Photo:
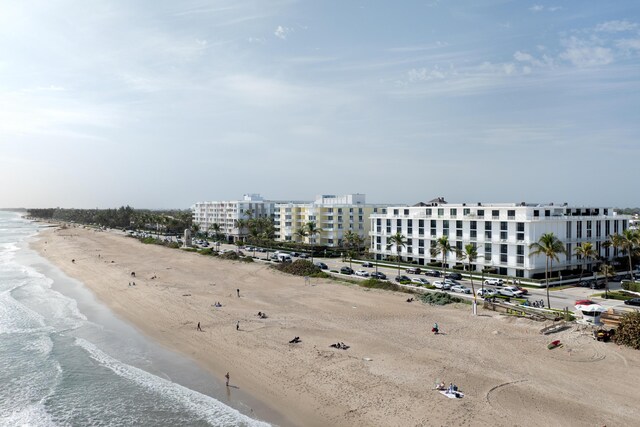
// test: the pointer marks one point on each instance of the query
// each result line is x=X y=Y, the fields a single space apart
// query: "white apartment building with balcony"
x=335 y=215
x=226 y=214
x=501 y=232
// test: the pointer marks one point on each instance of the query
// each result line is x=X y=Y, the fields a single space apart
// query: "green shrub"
x=439 y=298
x=206 y=251
x=189 y=249
x=628 y=332
x=173 y=245
x=232 y=255
x=246 y=259
x=380 y=284
x=300 y=267
x=150 y=241
x=633 y=286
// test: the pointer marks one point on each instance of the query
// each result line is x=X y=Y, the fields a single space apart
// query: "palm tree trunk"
x=473 y=289
x=630 y=266
x=548 y=272
x=398 y=255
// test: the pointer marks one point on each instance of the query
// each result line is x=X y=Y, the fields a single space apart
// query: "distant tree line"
x=168 y=221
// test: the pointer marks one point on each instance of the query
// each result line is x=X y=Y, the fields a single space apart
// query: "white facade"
x=226 y=214
x=502 y=233
x=334 y=215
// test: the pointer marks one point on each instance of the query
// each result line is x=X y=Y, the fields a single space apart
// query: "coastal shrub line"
x=628 y=331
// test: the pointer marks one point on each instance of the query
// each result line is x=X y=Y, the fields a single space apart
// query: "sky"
x=160 y=104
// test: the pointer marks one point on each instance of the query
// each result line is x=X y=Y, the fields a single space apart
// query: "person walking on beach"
x=199 y=328
x=435 y=329
x=238 y=325
x=238 y=291
x=227 y=377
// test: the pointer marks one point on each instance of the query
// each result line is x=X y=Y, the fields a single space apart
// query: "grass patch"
x=617 y=295
x=300 y=267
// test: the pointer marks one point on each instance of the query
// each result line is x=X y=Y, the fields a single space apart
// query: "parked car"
x=413 y=270
x=460 y=288
x=494 y=282
x=441 y=285
x=524 y=291
x=486 y=292
x=402 y=278
x=346 y=270
x=453 y=276
x=510 y=291
x=420 y=281
x=451 y=282
x=367 y=264
x=322 y=265
x=295 y=254
x=432 y=273
x=379 y=275
x=633 y=301
x=362 y=273
x=304 y=256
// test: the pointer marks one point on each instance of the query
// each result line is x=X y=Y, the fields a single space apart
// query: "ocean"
x=66 y=360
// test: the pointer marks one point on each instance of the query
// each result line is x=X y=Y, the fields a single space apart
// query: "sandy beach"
x=385 y=378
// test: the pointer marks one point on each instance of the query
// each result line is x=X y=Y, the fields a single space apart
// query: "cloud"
x=628 y=44
x=616 y=26
x=582 y=53
x=282 y=32
x=539 y=8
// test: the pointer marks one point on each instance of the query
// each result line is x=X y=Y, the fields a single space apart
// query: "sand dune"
x=385 y=378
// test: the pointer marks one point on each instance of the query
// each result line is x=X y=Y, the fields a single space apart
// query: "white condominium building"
x=226 y=214
x=501 y=232
x=334 y=215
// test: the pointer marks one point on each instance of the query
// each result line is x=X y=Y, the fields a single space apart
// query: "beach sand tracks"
x=523 y=400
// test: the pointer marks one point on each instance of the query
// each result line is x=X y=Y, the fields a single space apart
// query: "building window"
x=459 y=224
x=480 y=213
x=520 y=254
x=504 y=235
x=598 y=228
x=589 y=229
x=487 y=252
x=568 y=248
x=487 y=225
x=453 y=213
x=427 y=212
x=520 y=232
x=473 y=234
x=433 y=223
x=504 y=226
x=406 y=211
x=445 y=224
x=445 y=232
x=440 y=212
x=579 y=229
x=487 y=234
x=473 y=225
x=568 y=230
x=466 y=211
x=511 y=214
x=495 y=214
x=459 y=234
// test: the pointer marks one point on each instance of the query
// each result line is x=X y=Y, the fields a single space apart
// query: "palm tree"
x=470 y=254
x=353 y=242
x=241 y=224
x=586 y=251
x=399 y=241
x=549 y=246
x=301 y=233
x=216 y=230
x=607 y=271
x=630 y=243
x=312 y=231
x=443 y=247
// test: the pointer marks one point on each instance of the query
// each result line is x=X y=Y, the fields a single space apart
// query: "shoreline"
x=385 y=378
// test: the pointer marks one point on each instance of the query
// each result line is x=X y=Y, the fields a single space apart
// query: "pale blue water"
x=65 y=360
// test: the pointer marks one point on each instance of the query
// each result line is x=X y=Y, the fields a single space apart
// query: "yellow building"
x=333 y=215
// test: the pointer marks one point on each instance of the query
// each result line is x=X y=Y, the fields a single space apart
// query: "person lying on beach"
x=295 y=340
x=340 y=345
x=410 y=299
x=440 y=386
